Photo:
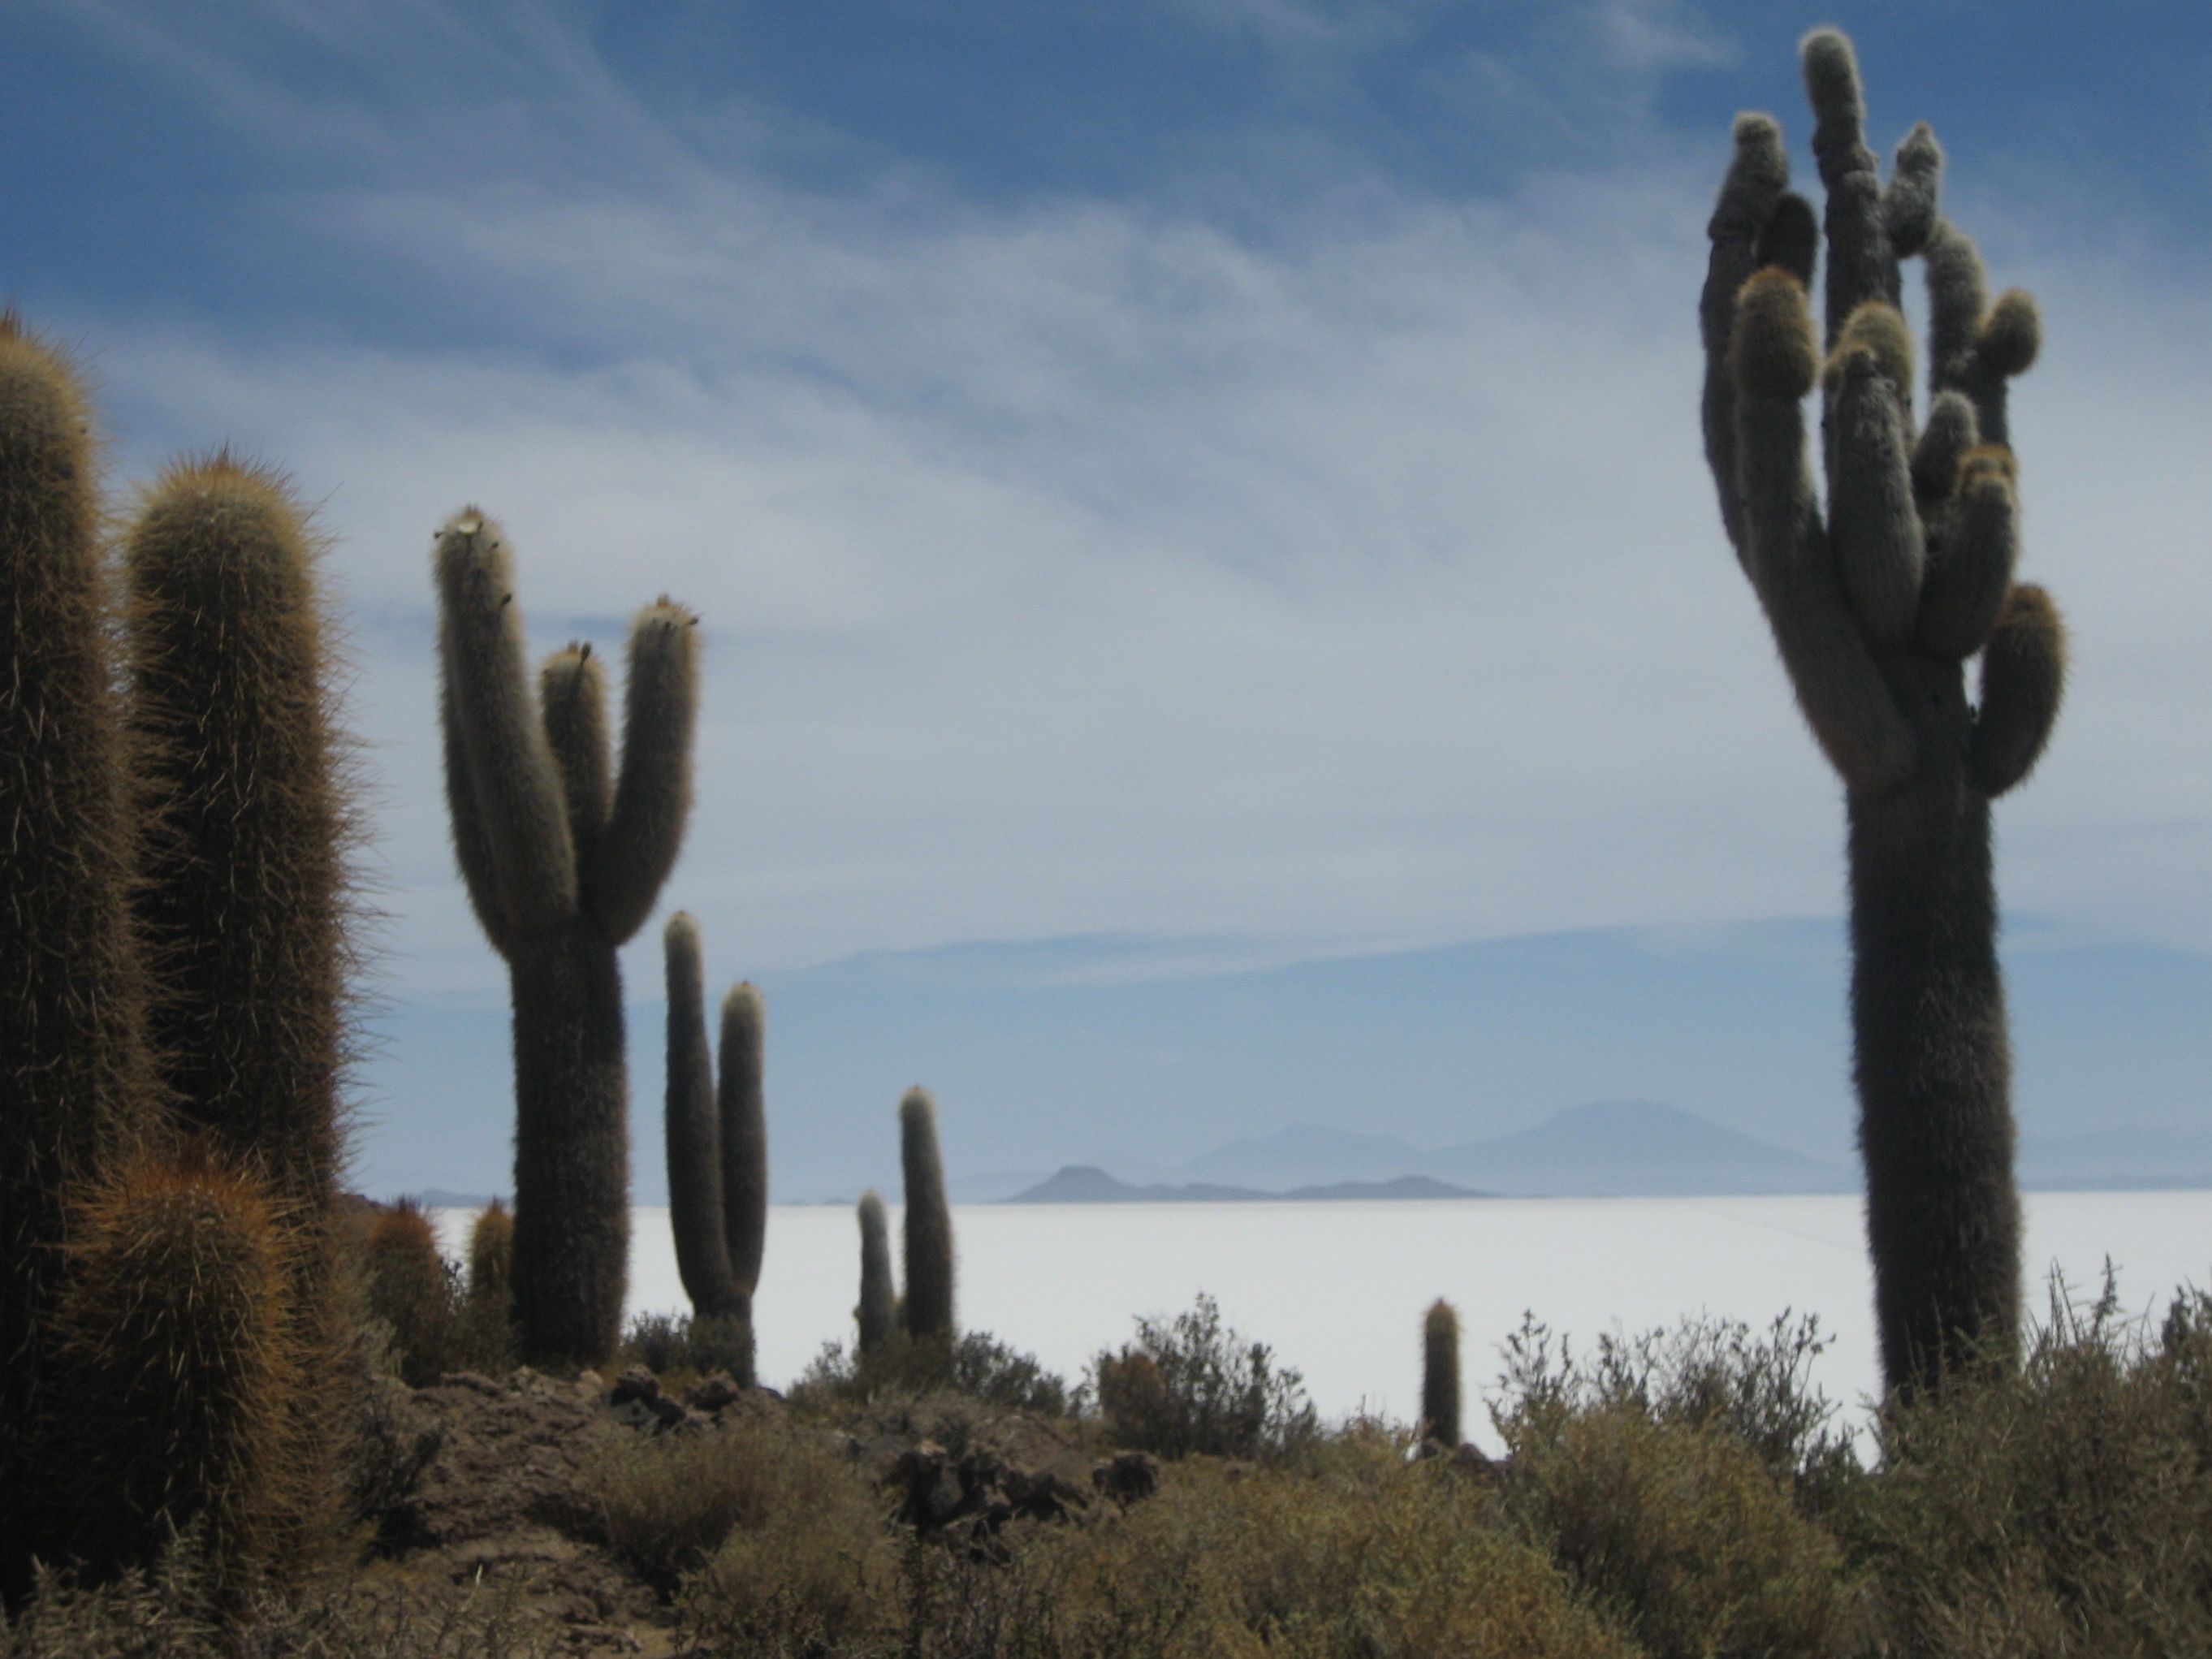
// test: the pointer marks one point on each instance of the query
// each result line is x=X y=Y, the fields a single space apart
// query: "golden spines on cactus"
x=185 y=1368
x=73 y=1061
x=410 y=1290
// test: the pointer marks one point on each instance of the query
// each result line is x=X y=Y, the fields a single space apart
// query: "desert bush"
x=683 y=1343
x=977 y=1365
x=1705 y=1372
x=2063 y=1510
x=667 y=1504
x=165 y=1612
x=1363 y=1555
x=1193 y=1385
x=1681 y=1534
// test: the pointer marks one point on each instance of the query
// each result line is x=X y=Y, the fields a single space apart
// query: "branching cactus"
x=563 y=858
x=75 y=1085
x=928 y=1305
x=1440 y=1375
x=878 y=1312
x=1877 y=602
x=695 y=1135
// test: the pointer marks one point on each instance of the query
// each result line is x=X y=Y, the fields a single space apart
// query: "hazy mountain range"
x=1180 y=1061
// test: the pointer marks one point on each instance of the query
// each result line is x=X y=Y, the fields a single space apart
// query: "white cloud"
x=1072 y=567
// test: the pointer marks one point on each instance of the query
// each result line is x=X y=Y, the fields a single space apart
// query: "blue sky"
x=1209 y=469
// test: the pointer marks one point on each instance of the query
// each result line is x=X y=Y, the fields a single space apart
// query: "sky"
x=1214 y=479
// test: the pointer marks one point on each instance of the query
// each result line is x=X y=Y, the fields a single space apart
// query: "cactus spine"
x=563 y=860
x=694 y=1152
x=72 y=1055
x=878 y=1312
x=928 y=1305
x=1440 y=1373
x=244 y=902
x=178 y=1329
x=1875 y=610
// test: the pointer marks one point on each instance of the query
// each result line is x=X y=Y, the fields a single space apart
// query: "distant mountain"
x=1616 y=1148
x=1083 y=1183
x=1305 y=1154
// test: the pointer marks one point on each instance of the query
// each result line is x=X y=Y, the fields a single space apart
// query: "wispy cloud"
x=1081 y=566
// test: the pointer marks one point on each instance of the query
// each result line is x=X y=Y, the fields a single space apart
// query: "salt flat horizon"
x=1337 y=1288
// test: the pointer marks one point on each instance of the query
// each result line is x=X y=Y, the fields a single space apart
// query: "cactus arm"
x=1862 y=263
x=2023 y=679
x=929 y=1262
x=1748 y=199
x=695 y=1161
x=472 y=848
x=573 y=695
x=878 y=1312
x=1880 y=546
x=653 y=797
x=1966 y=589
x=1838 y=685
x=743 y=1133
x=1974 y=346
x=1913 y=202
x=509 y=767
x=1950 y=433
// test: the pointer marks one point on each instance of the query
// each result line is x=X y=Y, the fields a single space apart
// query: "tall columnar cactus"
x=1876 y=605
x=563 y=860
x=878 y=1312
x=928 y=1305
x=694 y=1135
x=177 y=1333
x=244 y=902
x=1440 y=1373
x=74 y=1083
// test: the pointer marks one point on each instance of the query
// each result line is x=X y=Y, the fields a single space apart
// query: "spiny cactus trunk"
x=928 y=1307
x=1876 y=605
x=245 y=902
x=75 y=1091
x=1932 y=1064
x=1440 y=1404
x=743 y=1134
x=571 y=1147
x=562 y=859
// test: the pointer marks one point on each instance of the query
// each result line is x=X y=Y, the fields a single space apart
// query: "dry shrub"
x=2066 y=1510
x=1682 y=1535
x=1193 y=1385
x=782 y=1541
x=977 y=1366
x=1362 y=1553
x=680 y=1348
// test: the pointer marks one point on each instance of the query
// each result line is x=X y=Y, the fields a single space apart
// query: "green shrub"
x=1191 y=1384
x=2064 y=1510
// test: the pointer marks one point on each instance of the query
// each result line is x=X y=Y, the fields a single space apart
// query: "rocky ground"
x=484 y=1490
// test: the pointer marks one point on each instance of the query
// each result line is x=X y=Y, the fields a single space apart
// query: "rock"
x=712 y=1393
x=635 y=1383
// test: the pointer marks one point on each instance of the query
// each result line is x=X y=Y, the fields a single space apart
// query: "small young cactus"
x=1875 y=607
x=409 y=1289
x=492 y=1259
x=562 y=859
x=928 y=1306
x=1440 y=1375
x=177 y=1334
x=878 y=1312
